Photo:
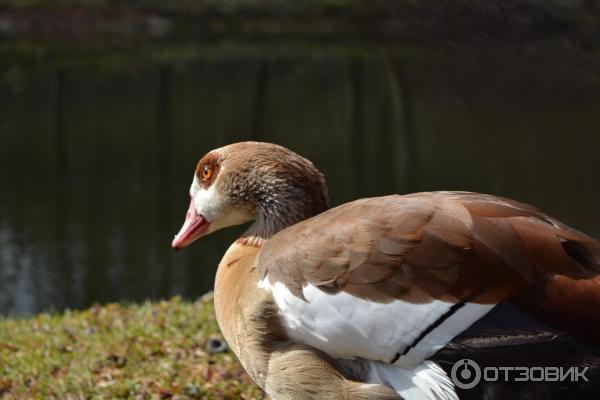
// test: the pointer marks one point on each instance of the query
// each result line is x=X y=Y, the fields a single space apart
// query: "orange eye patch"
x=207 y=173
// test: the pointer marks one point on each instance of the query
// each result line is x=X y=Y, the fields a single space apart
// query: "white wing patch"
x=345 y=326
x=426 y=381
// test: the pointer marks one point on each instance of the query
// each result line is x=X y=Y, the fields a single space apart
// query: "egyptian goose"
x=356 y=302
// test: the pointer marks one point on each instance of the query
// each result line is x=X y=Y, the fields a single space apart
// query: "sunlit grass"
x=147 y=351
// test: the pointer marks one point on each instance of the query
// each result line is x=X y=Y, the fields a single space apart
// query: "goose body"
x=370 y=298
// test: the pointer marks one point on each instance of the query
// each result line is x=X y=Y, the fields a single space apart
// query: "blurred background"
x=106 y=106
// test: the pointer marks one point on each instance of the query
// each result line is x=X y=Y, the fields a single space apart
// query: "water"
x=97 y=152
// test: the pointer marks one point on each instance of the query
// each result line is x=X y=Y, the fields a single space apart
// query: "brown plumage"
x=304 y=291
x=444 y=245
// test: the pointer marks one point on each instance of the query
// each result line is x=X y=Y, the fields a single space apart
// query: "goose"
x=369 y=299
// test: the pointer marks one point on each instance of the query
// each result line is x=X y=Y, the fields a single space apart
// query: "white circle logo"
x=465 y=373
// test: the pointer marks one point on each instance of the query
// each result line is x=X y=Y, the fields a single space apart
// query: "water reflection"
x=95 y=164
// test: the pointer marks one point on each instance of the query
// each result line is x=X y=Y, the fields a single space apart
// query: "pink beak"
x=193 y=228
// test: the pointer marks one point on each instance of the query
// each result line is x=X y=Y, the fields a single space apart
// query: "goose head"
x=251 y=181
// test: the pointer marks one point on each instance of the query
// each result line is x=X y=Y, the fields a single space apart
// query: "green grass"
x=156 y=350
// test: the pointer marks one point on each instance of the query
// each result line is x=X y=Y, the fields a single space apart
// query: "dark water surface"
x=96 y=156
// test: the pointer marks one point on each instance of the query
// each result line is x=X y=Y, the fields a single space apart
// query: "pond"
x=97 y=152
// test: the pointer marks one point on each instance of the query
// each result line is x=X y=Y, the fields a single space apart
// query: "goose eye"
x=207 y=173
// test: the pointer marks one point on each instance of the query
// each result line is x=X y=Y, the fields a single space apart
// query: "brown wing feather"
x=424 y=246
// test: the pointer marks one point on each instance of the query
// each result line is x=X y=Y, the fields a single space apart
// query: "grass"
x=156 y=350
